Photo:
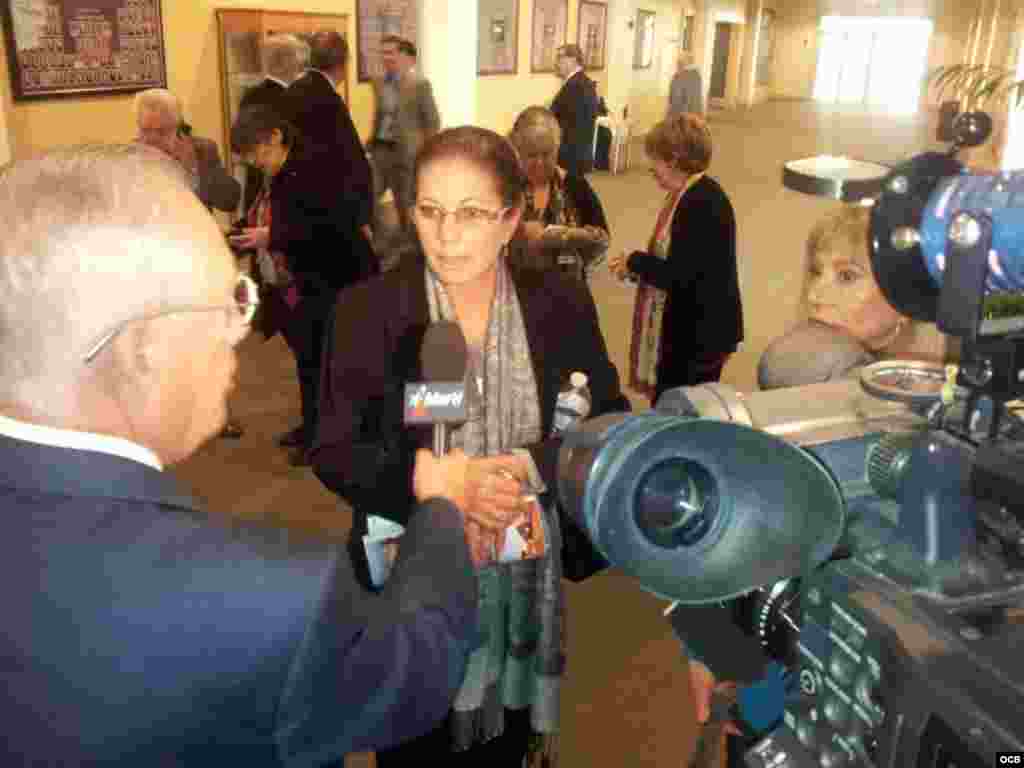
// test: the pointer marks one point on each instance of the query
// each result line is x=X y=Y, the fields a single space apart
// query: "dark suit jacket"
x=139 y=631
x=364 y=452
x=314 y=222
x=217 y=189
x=576 y=106
x=703 y=312
x=269 y=93
x=319 y=113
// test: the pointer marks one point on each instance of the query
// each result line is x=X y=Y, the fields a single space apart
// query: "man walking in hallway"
x=575 y=106
x=686 y=93
x=405 y=115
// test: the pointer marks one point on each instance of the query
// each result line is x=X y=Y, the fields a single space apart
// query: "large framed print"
x=84 y=47
x=498 y=37
x=242 y=34
x=592 y=33
x=376 y=19
x=643 y=44
x=550 y=26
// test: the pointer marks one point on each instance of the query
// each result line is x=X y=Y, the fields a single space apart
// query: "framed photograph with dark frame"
x=550 y=27
x=84 y=48
x=592 y=32
x=643 y=43
x=376 y=19
x=498 y=37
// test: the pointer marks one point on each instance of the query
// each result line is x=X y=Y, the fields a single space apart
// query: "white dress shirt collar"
x=277 y=80
x=79 y=441
x=573 y=73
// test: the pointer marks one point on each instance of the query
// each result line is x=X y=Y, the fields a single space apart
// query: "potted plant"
x=972 y=87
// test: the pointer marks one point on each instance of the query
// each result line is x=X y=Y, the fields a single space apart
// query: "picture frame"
x=548 y=33
x=61 y=48
x=643 y=42
x=240 y=36
x=376 y=19
x=498 y=37
x=592 y=33
x=766 y=48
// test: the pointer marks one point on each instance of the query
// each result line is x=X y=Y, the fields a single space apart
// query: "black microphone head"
x=443 y=355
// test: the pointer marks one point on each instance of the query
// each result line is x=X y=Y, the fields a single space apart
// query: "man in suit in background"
x=576 y=107
x=686 y=93
x=160 y=124
x=158 y=118
x=146 y=632
x=284 y=59
x=313 y=105
x=405 y=115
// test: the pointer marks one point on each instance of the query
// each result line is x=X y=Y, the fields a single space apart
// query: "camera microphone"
x=440 y=399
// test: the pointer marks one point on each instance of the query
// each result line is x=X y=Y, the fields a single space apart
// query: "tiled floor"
x=626 y=697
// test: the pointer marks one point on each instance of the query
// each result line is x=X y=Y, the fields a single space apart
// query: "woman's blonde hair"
x=682 y=141
x=845 y=229
x=536 y=129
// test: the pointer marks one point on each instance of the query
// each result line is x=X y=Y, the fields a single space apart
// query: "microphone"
x=440 y=399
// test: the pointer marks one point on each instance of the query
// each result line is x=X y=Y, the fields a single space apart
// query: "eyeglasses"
x=465 y=215
x=247 y=298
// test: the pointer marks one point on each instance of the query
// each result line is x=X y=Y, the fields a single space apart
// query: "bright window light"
x=872 y=61
x=1013 y=155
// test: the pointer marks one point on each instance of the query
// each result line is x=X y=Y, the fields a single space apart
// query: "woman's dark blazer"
x=703 y=312
x=364 y=452
x=315 y=224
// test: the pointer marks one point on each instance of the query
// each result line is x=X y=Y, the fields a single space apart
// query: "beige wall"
x=192 y=72
x=648 y=96
x=501 y=97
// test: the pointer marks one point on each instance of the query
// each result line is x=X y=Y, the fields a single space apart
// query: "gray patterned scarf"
x=521 y=659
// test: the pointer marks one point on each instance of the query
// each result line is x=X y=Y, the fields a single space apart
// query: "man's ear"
x=142 y=351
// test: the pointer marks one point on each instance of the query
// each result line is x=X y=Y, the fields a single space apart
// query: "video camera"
x=866 y=535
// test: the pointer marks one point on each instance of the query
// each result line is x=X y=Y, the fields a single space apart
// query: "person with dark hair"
x=284 y=59
x=468 y=188
x=308 y=221
x=150 y=632
x=564 y=225
x=405 y=115
x=576 y=107
x=688 y=316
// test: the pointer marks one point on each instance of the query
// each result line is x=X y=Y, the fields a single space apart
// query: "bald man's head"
x=94 y=236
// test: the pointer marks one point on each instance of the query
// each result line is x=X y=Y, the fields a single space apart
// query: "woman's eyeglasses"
x=465 y=215
x=240 y=314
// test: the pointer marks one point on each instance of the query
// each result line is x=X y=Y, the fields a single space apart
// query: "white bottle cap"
x=578 y=379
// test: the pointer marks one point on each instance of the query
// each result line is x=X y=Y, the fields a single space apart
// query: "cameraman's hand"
x=251 y=239
x=703 y=685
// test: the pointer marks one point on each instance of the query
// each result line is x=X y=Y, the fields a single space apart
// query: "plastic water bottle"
x=573 y=405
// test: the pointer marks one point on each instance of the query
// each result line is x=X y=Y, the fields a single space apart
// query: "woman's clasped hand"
x=488 y=491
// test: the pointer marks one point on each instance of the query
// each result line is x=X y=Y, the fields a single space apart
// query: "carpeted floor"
x=626 y=700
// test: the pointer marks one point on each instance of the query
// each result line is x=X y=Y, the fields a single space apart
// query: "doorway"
x=720 y=61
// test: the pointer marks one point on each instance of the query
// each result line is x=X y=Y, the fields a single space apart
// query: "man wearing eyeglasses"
x=137 y=630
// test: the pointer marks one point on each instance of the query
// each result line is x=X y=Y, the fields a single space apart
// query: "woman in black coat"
x=688 y=317
x=313 y=224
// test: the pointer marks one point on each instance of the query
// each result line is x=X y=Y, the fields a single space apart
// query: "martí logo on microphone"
x=432 y=403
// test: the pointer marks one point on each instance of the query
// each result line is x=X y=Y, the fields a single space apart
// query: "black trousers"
x=434 y=748
x=304 y=333
x=689 y=371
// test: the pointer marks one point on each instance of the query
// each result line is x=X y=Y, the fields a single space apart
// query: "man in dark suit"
x=137 y=629
x=314 y=106
x=576 y=107
x=284 y=58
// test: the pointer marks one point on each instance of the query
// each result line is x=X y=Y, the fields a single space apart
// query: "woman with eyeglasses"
x=304 y=226
x=688 y=317
x=526 y=331
x=564 y=226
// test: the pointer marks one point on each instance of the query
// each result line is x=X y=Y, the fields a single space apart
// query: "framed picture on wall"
x=550 y=26
x=375 y=19
x=84 y=48
x=242 y=34
x=498 y=37
x=686 y=33
x=643 y=43
x=592 y=33
x=766 y=47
